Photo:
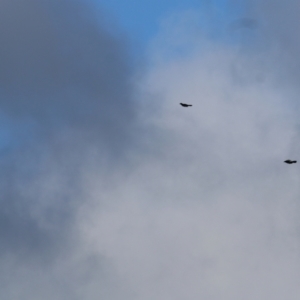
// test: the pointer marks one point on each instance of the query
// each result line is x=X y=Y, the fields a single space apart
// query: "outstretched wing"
x=185 y=105
x=288 y=161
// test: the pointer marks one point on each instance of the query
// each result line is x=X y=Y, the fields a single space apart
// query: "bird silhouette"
x=290 y=161
x=185 y=105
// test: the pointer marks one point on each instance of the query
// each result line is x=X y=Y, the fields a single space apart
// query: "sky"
x=140 y=19
x=110 y=189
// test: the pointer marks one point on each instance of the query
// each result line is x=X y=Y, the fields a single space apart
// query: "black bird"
x=290 y=161
x=185 y=105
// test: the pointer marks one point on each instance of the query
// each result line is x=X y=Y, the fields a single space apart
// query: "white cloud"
x=203 y=207
x=210 y=211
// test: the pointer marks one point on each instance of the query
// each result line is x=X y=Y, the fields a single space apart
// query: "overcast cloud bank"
x=104 y=200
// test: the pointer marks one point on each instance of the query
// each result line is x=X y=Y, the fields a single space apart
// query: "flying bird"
x=290 y=161
x=185 y=105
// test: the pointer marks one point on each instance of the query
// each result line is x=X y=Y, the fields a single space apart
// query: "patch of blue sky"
x=6 y=139
x=141 y=19
x=14 y=134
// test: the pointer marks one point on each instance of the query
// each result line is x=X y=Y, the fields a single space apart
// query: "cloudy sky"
x=109 y=189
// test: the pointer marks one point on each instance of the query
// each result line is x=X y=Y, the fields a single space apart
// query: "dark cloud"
x=67 y=101
x=61 y=68
x=209 y=210
x=279 y=23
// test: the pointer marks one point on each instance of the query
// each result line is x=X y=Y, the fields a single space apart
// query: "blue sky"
x=140 y=19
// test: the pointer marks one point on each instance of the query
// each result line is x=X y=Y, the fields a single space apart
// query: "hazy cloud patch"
x=106 y=197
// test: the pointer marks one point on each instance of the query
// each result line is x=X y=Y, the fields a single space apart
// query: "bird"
x=185 y=105
x=290 y=161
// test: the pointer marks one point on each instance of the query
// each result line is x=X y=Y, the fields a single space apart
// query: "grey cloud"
x=60 y=68
x=198 y=206
x=214 y=213
x=67 y=101
x=279 y=22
